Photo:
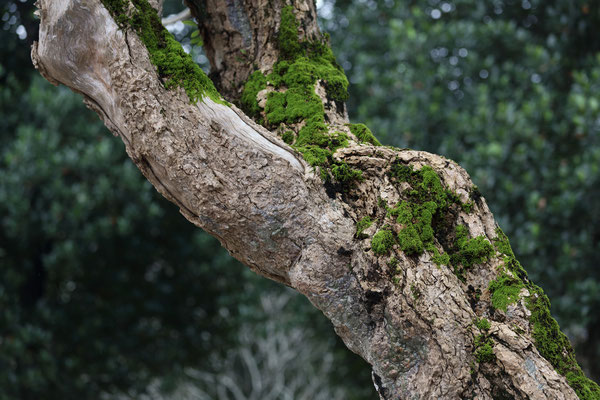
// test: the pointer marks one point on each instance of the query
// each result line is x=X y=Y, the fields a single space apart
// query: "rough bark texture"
x=240 y=35
x=430 y=327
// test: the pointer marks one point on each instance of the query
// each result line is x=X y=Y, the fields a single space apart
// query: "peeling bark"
x=414 y=321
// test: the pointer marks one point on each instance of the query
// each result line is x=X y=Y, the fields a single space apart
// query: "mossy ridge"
x=295 y=101
x=174 y=66
x=363 y=134
x=425 y=200
x=552 y=344
x=505 y=290
x=424 y=214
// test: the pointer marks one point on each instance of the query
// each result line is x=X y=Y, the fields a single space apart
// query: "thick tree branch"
x=396 y=247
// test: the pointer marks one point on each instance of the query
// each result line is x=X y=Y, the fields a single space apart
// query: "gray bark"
x=269 y=208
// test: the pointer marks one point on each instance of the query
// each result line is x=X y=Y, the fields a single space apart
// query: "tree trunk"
x=395 y=246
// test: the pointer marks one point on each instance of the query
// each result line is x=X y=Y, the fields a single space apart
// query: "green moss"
x=301 y=63
x=437 y=258
x=288 y=137
x=117 y=8
x=416 y=293
x=467 y=207
x=426 y=199
x=483 y=324
x=417 y=230
x=382 y=242
x=316 y=133
x=502 y=244
x=484 y=349
x=315 y=156
x=174 y=66
x=363 y=224
x=402 y=172
x=585 y=388
x=470 y=251
x=294 y=105
x=505 y=290
x=289 y=44
x=552 y=344
x=294 y=75
x=363 y=134
x=425 y=212
x=344 y=174
x=409 y=240
x=249 y=102
x=484 y=345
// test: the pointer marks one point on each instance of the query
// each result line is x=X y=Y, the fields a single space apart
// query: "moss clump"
x=363 y=134
x=382 y=242
x=505 y=290
x=469 y=252
x=303 y=62
x=483 y=324
x=317 y=146
x=426 y=199
x=175 y=67
x=437 y=258
x=502 y=244
x=484 y=349
x=294 y=75
x=363 y=224
x=425 y=212
x=294 y=105
x=484 y=345
x=552 y=344
x=288 y=137
x=289 y=46
x=344 y=174
x=467 y=207
x=585 y=388
x=254 y=84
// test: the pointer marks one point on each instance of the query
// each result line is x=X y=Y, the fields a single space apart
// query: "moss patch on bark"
x=175 y=67
x=552 y=344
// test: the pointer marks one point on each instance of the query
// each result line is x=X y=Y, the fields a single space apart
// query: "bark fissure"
x=407 y=292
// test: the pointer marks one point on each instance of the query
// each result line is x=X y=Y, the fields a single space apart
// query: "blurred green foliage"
x=511 y=91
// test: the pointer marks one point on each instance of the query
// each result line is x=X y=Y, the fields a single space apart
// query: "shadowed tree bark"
x=395 y=246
